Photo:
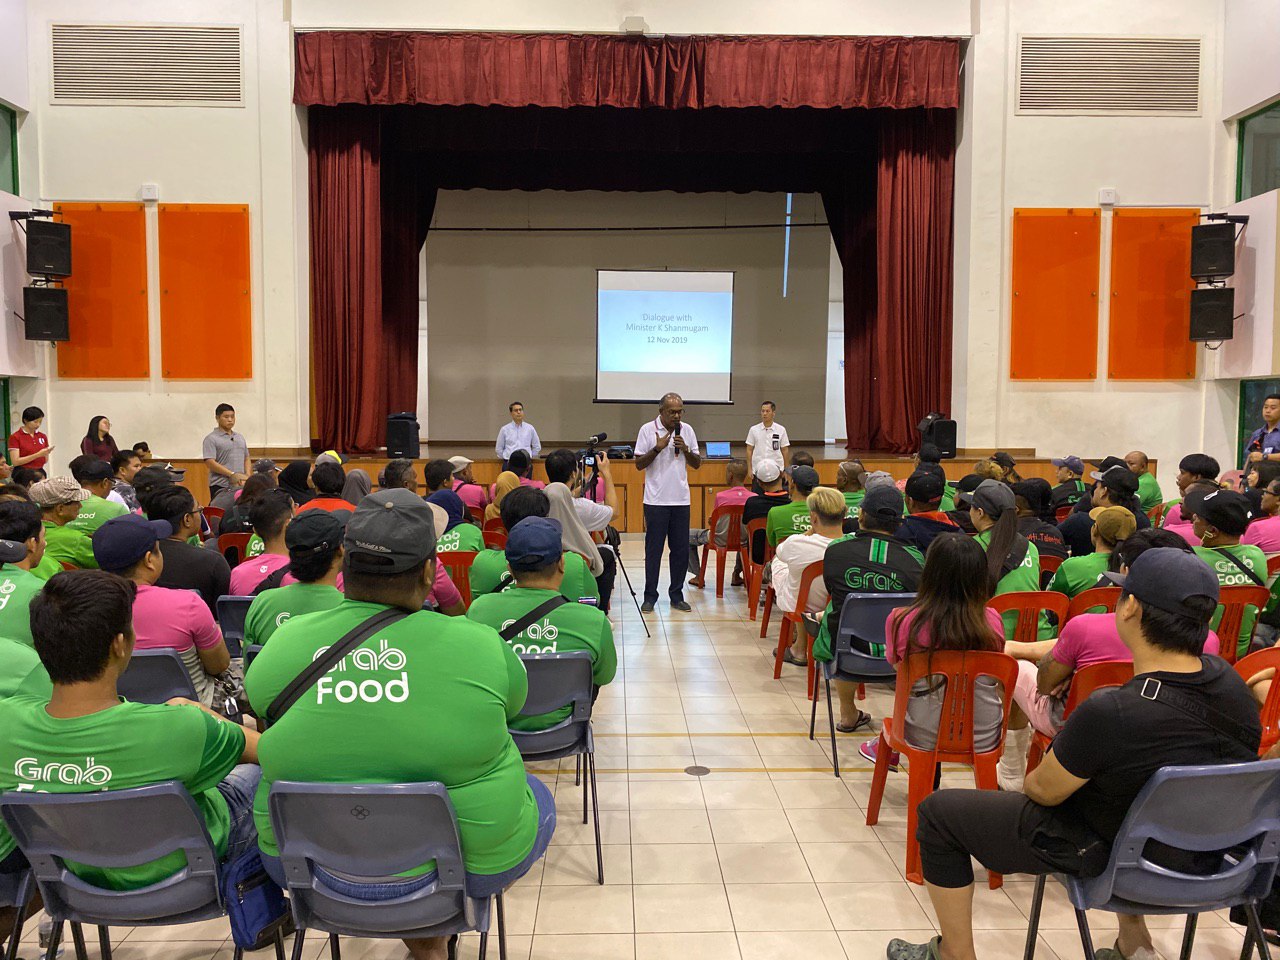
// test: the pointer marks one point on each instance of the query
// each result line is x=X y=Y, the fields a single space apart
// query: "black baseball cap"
x=1035 y=491
x=1119 y=478
x=925 y=486
x=805 y=477
x=1165 y=579
x=391 y=531
x=1004 y=459
x=1106 y=463
x=929 y=453
x=122 y=541
x=12 y=551
x=883 y=503
x=533 y=543
x=314 y=530
x=96 y=471
x=967 y=484
x=1225 y=509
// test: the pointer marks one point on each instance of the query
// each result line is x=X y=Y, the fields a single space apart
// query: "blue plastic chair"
x=1203 y=809
x=15 y=891
x=863 y=616
x=559 y=680
x=52 y=828
x=369 y=834
x=156 y=676
x=232 y=611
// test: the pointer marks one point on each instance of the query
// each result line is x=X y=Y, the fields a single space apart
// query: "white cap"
x=768 y=471
x=459 y=463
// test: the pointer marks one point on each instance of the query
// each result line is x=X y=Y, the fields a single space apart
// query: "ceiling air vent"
x=149 y=64
x=1099 y=76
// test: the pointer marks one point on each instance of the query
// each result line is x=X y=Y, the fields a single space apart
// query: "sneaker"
x=901 y=950
x=646 y=607
x=870 y=748
x=681 y=605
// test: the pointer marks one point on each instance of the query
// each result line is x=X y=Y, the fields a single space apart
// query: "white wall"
x=1251 y=66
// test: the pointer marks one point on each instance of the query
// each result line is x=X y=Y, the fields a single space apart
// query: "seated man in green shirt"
x=83 y=737
x=96 y=478
x=425 y=698
x=1149 y=493
x=59 y=500
x=1219 y=519
x=1111 y=527
x=536 y=559
x=489 y=573
x=21 y=549
x=314 y=542
x=791 y=518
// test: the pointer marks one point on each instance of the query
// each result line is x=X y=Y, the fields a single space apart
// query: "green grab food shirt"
x=128 y=745
x=426 y=698
x=1230 y=575
x=787 y=520
x=47 y=567
x=570 y=626
x=271 y=608
x=94 y=512
x=1078 y=574
x=17 y=587
x=69 y=545
x=1149 y=492
x=490 y=566
x=853 y=501
x=21 y=672
x=465 y=536
x=1025 y=576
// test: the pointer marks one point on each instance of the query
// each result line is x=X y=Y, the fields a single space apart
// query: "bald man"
x=1149 y=492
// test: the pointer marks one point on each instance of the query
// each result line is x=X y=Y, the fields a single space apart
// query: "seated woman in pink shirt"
x=1264 y=531
x=163 y=618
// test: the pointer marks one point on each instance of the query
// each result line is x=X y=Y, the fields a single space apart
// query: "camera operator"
x=563 y=467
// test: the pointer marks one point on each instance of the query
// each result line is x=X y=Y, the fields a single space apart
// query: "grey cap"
x=991 y=497
x=1166 y=578
x=265 y=465
x=878 y=478
x=12 y=551
x=391 y=531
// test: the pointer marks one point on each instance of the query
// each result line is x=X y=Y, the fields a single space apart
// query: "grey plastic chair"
x=232 y=611
x=156 y=676
x=559 y=680
x=15 y=891
x=1232 y=807
x=368 y=834
x=863 y=616
x=52 y=828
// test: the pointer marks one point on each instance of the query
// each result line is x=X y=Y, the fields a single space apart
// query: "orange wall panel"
x=1054 y=333
x=205 y=303
x=1151 y=295
x=107 y=293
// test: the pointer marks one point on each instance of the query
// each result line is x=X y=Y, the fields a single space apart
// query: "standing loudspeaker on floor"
x=402 y=436
x=941 y=433
x=1212 y=314
x=45 y=313
x=1213 y=251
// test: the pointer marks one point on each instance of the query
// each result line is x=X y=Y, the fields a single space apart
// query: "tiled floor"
x=767 y=857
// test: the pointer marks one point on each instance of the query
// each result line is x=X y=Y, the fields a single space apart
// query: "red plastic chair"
x=1273 y=566
x=494 y=539
x=494 y=524
x=1062 y=513
x=458 y=563
x=1106 y=597
x=962 y=670
x=1231 y=479
x=1096 y=676
x=233 y=546
x=1233 y=602
x=213 y=513
x=477 y=513
x=68 y=565
x=793 y=618
x=1029 y=603
x=1049 y=564
x=752 y=571
x=733 y=542
x=1248 y=668
x=1155 y=514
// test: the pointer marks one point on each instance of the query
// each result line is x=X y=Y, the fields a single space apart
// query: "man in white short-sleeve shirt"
x=665 y=450
x=767 y=440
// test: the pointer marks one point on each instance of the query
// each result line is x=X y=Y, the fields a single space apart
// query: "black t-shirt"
x=753 y=508
x=1068 y=494
x=868 y=562
x=1046 y=537
x=195 y=568
x=1117 y=739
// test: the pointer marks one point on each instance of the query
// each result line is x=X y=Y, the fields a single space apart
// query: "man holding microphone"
x=1264 y=444
x=665 y=450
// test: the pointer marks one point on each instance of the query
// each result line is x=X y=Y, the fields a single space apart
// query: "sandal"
x=864 y=720
x=790 y=657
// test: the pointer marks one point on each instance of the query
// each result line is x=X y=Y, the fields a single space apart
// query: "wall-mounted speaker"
x=45 y=312
x=1213 y=251
x=48 y=248
x=1212 y=313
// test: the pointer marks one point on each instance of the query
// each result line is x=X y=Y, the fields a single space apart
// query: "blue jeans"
x=479 y=885
x=238 y=788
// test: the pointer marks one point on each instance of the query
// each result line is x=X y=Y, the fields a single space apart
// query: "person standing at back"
x=225 y=452
x=767 y=440
x=28 y=447
x=97 y=441
x=519 y=434
x=1264 y=443
x=665 y=450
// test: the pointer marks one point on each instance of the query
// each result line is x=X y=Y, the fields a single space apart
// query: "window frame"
x=1241 y=126
x=12 y=116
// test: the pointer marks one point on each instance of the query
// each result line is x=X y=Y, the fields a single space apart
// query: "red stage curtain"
x=577 y=70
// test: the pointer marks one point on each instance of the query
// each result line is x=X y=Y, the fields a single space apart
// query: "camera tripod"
x=588 y=461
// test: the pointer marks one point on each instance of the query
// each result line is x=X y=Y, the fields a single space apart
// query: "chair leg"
x=484 y=944
x=920 y=777
x=595 y=810
x=810 y=670
x=25 y=889
x=984 y=775
x=299 y=940
x=279 y=944
x=831 y=725
x=1255 y=928
x=104 y=943
x=1246 y=949
x=55 y=938
x=1188 y=936
x=784 y=641
x=335 y=951
x=813 y=714
x=1086 y=938
x=722 y=557
x=1033 y=925
x=77 y=939
x=502 y=929
x=768 y=608
x=585 y=786
x=878 y=779
x=577 y=770
x=702 y=569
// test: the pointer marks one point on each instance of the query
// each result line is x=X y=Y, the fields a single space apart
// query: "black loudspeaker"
x=48 y=248
x=1213 y=251
x=1213 y=313
x=942 y=434
x=45 y=312
x=402 y=435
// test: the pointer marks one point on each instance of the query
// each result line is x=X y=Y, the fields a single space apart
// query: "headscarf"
x=452 y=505
x=573 y=534
x=507 y=481
x=293 y=481
x=357 y=487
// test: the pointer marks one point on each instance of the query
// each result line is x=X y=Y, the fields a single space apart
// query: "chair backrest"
x=1234 y=601
x=369 y=833
x=1049 y=563
x=1273 y=565
x=865 y=616
x=68 y=565
x=756 y=526
x=1062 y=513
x=477 y=513
x=231 y=614
x=458 y=563
x=156 y=676
x=1202 y=809
x=733 y=513
x=213 y=513
x=556 y=680
x=1086 y=600
x=1096 y=676
x=1155 y=514
x=811 y=573
x=1248 y=668
x=961 y=669
x=1028 y=604
x=251 y=650
x=494 y=539
x=117 y=828
x=1231 y=479
x=233 y=546
x=495 y=524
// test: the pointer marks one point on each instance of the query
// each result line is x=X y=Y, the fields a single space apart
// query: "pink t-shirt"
x=525 y=482
x=1264 y=533
x=246 y=576
x=898 y=627
x=179 y=620
x=733 y=496
x=1174 y=522
x=472 y=494
x=1093 y=638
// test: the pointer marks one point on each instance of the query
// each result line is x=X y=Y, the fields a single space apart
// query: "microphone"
x=600 y=437
x=675 y=432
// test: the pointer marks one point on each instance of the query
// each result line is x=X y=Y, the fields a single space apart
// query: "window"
x=8 y=150
x=1259 y=166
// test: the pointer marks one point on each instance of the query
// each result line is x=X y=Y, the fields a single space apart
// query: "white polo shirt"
x=666 y=480
x=760 y=439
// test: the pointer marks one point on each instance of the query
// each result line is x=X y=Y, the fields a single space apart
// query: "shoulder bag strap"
x=1242 y=565
x=323 y=664
x=517 y=627
x=272 y=581
x=504 y=581
x=1228 y=727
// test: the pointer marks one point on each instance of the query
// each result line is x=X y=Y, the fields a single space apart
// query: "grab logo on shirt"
x=282 y=618
x=6 y=588
x=33 y=771
x=394 y=689
x=870 y=581
x=538 y=632
x=801 y=523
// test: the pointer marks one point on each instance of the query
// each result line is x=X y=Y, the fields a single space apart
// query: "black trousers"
x=1005 y=832
x=604 y=582
x=669 y=525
